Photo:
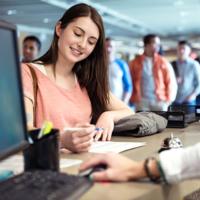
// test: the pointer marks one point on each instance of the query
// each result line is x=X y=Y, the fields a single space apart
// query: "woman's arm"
x=180 y=164
x=77 y=141
x=116 y=110
x=29 y=113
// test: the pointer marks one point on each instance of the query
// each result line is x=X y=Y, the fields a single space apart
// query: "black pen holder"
x=43 y=154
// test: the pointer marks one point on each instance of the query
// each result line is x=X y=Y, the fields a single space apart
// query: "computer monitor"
x=12 y=113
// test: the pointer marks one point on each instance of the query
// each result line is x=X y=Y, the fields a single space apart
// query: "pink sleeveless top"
x=64 y=108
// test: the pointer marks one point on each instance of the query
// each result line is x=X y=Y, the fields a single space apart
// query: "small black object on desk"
x=43 y=153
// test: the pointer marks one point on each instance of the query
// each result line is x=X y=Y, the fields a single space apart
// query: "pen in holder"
x=43 y=153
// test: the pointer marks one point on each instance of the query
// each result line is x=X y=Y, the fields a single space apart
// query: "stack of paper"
x=115 y=147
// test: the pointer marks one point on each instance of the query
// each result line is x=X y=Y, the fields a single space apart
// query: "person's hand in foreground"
x=119 y=168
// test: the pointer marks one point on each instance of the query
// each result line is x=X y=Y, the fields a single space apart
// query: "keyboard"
x=44 y=185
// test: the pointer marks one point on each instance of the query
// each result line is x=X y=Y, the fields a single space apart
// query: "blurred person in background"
x=31 y=48
x=187 y=72
x=119 y=74
x=154 y=83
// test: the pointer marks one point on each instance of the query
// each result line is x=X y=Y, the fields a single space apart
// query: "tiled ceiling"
x=123 y=18
x=168 y=17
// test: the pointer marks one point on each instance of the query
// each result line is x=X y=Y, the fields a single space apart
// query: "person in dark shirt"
x=31 y=48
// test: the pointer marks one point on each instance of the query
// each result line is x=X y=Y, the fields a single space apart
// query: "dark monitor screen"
x=12 y=112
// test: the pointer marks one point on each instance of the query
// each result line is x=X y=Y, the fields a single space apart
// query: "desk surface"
x=143 y=190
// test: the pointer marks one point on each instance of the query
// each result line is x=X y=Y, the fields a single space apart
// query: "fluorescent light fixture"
x=179 y=3
x=57 y=3
x=31 y=29
x=183 y=21
x=110 y=16
x=184 y=13
x=11 y=12
x=140 y=43
x=46 y=20
x=180 y=29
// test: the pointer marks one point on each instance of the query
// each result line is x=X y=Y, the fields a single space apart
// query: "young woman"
x=72 y=82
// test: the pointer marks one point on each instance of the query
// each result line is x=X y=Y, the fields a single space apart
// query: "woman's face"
x=78 y=40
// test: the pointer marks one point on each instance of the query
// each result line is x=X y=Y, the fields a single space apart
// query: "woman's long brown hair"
x=92 y=72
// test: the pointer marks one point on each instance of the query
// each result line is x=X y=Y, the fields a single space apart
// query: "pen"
x=73 y=129
x=99 y=129
x=46 y=128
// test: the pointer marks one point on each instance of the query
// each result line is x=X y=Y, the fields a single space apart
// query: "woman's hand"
x=116 y=110
x=119 y=168
x=79 y=140
x=105 y=122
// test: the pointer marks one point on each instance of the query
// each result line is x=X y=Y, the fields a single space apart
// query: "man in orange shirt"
x=154 y=83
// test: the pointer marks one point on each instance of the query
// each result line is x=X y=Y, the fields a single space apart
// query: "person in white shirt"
x=187 y=72
x=172 y=166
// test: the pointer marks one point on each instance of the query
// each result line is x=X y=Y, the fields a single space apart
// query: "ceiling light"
x=183 y=13
x=179 y=3
x=183 y=21
x=108 y=31
x=43 y=36
x=46 y=20
x=11 y=12
x=140 y=43
x=180 y=29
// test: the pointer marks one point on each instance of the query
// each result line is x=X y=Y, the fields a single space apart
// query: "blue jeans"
x=188 y=103
x=188 y=107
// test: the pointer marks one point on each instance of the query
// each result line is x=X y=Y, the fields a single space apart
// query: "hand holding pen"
x=79 y=138
x=75 y=129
